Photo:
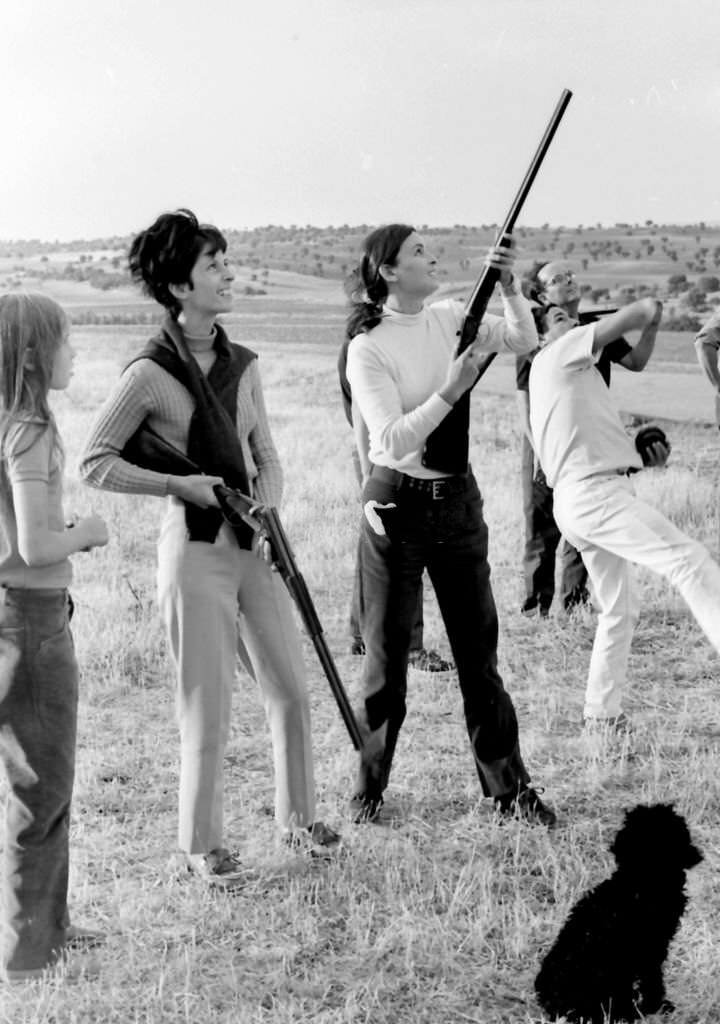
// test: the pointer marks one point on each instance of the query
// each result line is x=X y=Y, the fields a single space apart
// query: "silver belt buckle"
x=437 y=490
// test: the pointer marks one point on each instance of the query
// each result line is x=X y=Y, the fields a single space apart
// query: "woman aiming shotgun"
x=405 y=380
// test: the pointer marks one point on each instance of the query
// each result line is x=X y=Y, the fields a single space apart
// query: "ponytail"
x=364 y=313
x=365 y=287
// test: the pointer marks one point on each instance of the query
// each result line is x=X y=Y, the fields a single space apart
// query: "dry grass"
x=439 y=915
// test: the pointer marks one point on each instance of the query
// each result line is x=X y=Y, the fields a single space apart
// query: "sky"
x=331 y=112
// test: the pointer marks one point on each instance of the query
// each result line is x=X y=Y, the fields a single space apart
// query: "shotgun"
x=265 y=519
x=447 y=447
x=148 y=449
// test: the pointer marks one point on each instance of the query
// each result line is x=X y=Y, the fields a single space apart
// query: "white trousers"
x=611 y=527
x=219 y=602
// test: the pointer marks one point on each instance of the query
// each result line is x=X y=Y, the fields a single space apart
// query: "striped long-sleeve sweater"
x=147 y=392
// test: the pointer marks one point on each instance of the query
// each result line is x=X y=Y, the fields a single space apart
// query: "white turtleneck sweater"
x=396 y=370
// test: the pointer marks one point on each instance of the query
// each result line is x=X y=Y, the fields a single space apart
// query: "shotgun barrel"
x=447 y=447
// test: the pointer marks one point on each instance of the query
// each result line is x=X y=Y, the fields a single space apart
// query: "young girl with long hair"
x=202 y=395
x=405 y=379
x=38 y=669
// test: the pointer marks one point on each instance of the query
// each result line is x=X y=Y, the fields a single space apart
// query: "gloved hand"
x=653 y=446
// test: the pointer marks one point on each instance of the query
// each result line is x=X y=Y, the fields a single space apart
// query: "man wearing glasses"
x=555 y=283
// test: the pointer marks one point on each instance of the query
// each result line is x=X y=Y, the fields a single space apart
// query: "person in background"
x=39 y=671
x=707 y=345
x=202 y=395
x=555 y=283
x=420 y=658
x=589 y=461
x=405 y=379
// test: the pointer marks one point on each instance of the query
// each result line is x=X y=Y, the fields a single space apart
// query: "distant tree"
x=695 y=299
x=677 y=283
x=708 y=283
x=677 y=321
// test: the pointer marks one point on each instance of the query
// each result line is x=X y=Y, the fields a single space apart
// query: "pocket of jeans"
x=55 y=674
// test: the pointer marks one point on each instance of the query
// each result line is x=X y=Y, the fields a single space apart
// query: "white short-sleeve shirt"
x=576 y=429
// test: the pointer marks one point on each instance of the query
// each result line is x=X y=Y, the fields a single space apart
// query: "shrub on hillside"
x=681 y=321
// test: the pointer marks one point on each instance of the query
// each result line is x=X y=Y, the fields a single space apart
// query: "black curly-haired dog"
x=607 y=962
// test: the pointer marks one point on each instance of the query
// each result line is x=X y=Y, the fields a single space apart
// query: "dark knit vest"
x=213 y=442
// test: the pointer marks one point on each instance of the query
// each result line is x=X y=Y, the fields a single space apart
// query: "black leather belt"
x=436 y=489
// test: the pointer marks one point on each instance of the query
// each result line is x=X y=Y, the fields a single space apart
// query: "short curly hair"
x=166 y=252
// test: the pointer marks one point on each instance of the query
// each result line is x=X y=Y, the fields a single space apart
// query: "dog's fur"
x=607 y=962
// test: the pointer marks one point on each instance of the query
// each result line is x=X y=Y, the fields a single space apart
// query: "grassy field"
x=438 y=915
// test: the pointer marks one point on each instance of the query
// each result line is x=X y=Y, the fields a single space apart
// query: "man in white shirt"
x=707 y=345
x=589 y=460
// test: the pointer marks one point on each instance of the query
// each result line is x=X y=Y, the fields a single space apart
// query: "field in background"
x=679 y=263
x=439 y=915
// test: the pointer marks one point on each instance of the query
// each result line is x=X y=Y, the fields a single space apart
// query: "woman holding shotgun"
x=405 y=379
x=202 y=395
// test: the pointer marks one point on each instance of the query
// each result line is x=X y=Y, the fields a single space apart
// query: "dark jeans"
x=38 y=716
x=543 y=541
x=449 y=538
x=356 y=603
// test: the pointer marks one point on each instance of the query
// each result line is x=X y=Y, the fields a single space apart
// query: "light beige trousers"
x=218 y=601
x=611 y=527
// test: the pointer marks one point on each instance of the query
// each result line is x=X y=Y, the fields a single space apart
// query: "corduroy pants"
x=216 y=600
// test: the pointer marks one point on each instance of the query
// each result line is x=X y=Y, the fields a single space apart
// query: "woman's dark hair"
x=539 y=314
x=366 y=287
x=166 y=252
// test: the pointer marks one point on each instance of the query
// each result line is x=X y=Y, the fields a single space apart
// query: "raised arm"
x=639 y=355
x=643 y=315
x=707 y=344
